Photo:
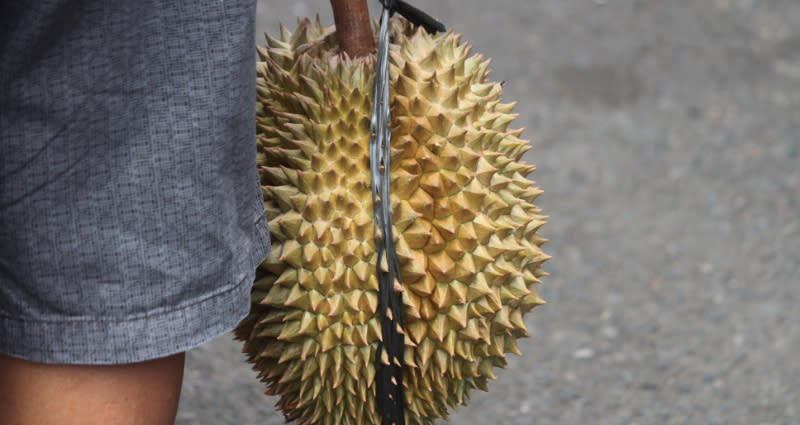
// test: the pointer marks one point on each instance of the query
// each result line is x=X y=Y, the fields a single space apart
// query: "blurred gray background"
x=666 y=135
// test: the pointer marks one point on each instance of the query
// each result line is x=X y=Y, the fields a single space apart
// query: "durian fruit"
x=465 y=226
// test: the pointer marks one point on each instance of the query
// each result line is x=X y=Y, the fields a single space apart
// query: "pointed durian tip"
x=286 y=35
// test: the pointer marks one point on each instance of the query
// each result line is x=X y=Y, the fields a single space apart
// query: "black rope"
x=414 y=15
x=389 y=357
x=390 y=353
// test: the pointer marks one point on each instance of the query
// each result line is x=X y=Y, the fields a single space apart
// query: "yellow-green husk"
x=463 y=215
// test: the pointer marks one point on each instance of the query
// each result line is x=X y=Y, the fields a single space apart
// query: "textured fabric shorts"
x=131 y=216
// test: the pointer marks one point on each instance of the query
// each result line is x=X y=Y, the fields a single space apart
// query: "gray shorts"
x=131 y=218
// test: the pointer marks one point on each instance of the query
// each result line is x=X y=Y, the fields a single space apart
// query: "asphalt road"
x=667 y=140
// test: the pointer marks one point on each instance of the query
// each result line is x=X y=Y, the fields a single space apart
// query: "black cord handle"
x=390 y=353
x=389 y=356
x=414 y=15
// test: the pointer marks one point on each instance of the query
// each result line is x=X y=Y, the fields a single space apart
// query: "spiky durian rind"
x=463 y=214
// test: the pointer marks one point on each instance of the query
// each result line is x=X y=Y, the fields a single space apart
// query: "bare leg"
x=143 y=393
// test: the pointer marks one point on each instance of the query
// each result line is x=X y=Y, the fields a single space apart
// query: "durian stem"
x=353 y=27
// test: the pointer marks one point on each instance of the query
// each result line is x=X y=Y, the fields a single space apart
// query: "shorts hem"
x=128 y=340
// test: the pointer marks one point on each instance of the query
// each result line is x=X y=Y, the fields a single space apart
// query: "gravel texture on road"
x=667 y=140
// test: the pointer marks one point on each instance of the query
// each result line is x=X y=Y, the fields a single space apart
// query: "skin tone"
x=143 y=393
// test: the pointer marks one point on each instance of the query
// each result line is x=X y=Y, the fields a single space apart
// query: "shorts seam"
x=159 y=311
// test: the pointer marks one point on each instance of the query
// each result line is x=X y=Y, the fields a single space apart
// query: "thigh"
x=131 y=394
